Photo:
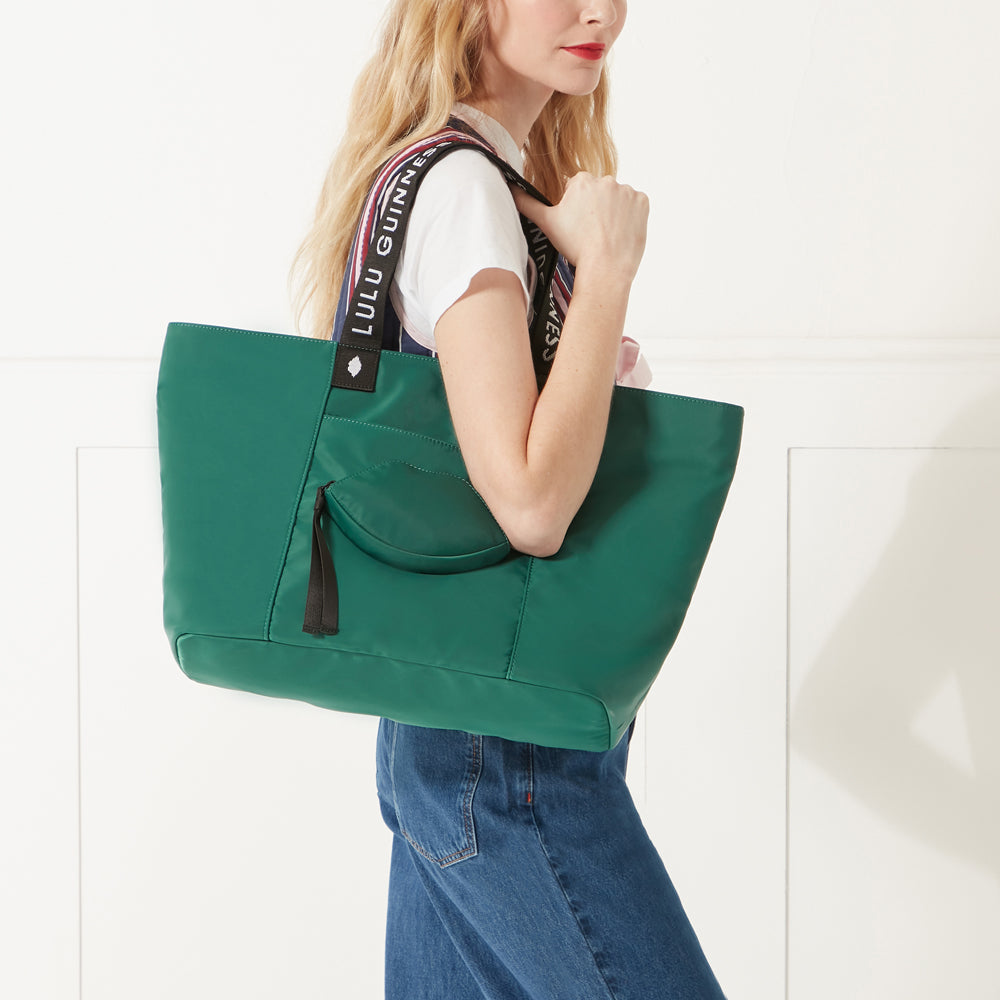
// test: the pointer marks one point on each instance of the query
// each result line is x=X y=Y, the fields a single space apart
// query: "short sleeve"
x=464 y=220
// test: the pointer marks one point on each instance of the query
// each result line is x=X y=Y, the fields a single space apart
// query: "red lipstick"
x=586 y=51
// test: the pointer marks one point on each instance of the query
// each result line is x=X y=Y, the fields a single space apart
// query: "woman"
x=519 y=872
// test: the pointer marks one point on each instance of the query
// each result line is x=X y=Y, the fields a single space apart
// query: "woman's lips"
x=586 y=51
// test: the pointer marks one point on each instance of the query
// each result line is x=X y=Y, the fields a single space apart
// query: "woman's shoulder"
x=467 y=174
x=464 y=220
x=464 y=201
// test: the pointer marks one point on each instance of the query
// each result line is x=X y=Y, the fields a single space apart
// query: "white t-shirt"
x=464 y=220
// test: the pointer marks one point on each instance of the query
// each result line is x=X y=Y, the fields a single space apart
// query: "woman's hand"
x=532 y=456
x=598 y=225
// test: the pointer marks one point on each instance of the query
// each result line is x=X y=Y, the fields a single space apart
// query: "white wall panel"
x=894 y=809
x=814 y=168
x=165 y=162
x=46 y=411
x=184 y=798
x=716 y=718
x=231 y=845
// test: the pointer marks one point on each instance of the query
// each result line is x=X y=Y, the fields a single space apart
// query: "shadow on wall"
x=929 y=615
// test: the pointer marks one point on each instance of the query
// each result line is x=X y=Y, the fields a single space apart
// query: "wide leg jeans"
x=522 y=872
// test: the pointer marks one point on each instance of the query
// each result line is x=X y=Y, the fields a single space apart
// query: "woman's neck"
x=515 y=107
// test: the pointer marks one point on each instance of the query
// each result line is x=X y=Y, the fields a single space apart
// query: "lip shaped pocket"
x=416 y=519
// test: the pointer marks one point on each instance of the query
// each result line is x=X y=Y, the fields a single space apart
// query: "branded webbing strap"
x=360 y=346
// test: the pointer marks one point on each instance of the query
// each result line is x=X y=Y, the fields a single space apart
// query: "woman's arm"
x=533 y=456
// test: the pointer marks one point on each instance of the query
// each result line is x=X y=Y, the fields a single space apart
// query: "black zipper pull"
x=322 y=599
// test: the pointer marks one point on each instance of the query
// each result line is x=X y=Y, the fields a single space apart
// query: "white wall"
x=818 y=762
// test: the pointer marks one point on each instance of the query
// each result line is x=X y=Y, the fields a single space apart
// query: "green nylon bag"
x=284 y=485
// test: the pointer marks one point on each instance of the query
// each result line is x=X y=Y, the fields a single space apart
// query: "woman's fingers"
x=597 y=218
x=529 y=207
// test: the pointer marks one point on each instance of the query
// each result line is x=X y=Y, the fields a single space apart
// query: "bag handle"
x=357 y=355
x=360 y=346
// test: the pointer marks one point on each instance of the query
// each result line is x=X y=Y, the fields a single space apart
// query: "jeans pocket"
x=426 y=782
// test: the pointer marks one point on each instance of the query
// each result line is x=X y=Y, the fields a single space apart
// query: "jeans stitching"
x=565 y=895
x=470 y=849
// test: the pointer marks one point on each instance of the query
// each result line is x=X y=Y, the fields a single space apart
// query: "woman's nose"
x=603 y=12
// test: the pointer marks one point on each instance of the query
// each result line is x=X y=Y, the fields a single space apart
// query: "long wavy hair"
x=428 y=58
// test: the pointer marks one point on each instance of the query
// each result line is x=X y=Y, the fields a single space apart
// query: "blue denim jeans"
x=521 y=872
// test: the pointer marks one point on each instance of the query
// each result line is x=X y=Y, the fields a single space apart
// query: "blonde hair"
x=427 y=59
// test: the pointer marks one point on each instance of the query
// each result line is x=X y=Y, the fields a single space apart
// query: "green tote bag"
x=322 y=541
